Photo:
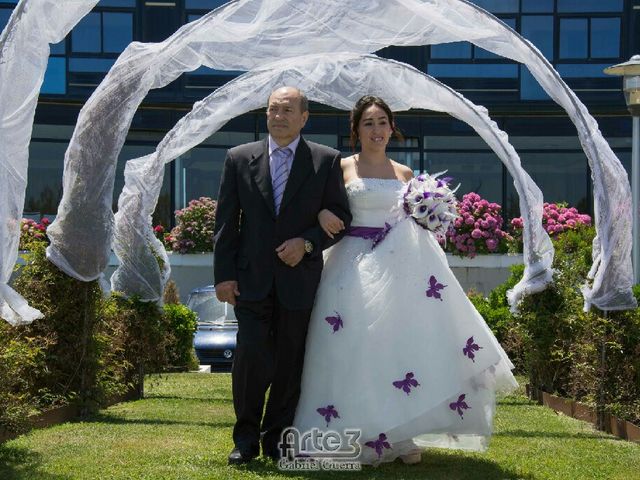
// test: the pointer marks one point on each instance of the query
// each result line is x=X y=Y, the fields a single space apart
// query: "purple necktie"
x=280 y=175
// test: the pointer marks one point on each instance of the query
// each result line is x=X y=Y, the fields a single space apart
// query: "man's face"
x=285 y=117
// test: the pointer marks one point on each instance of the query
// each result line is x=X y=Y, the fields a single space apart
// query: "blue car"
x=215 y=337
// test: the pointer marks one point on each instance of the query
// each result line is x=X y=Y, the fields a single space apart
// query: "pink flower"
x=491 y=244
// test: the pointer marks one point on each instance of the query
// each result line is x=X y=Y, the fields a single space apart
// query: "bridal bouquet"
x=431 y=203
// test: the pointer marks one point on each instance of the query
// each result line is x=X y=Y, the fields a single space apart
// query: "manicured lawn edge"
x=620 y=428
x=67 y=413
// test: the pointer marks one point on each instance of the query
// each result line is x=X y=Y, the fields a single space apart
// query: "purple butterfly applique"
x=380 y=235
x=335 y=322
x=444 y=181
x=434 y=288
x=470 y=348
x=328 y=413
x=379 y=444
x=460 y=405
x=407 y=383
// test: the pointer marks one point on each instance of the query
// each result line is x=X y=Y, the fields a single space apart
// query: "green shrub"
x=560 y=346
x=495 y=310
x=69 y=307
x=182 y=324
x=554 y=319
x=85 y=350
x=21 y=361
x=143 y=329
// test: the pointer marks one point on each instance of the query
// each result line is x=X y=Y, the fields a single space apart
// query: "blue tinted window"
x=90 y=64
x=477 y=171
x=85 y=37
x=498 y=6
x=117 y=3
x=55 y=77
x=58 y=48
x=192 y=16
x=204 y=4
x=479 y=70
x=590 y=5
x=585 y=70
x=605 y=37
x=118 y=31
x=573 y=38
x=451 y=50
x=210 y=71
x=5 y=13
x=539 y=30
x=482 y=53
x=530 y=89
x=537 y=6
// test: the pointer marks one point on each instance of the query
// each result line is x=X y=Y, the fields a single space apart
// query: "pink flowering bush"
x=556 y=218
x=160 y=233
x=478 y=229
x=32 y=231
x=194 y=231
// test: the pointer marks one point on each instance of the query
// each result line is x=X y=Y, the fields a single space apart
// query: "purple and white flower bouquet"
x=431 y=202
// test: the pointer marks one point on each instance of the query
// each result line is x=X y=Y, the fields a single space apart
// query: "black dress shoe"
x=238 y=456
x=273 y=454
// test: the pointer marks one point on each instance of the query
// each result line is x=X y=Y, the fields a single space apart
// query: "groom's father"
x=268 y=261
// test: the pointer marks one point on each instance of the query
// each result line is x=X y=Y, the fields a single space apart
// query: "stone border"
x=66 y=413
x=620 y=428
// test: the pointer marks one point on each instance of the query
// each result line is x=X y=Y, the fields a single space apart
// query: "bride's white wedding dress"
x=394 y=347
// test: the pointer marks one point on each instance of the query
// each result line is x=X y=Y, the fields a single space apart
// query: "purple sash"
x=365 y=232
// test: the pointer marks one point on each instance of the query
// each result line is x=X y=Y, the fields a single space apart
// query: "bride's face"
x=374 y=128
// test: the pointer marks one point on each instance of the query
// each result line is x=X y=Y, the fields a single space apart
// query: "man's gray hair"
x=304 y=101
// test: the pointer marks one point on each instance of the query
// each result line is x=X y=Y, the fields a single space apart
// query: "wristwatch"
x=308 y=247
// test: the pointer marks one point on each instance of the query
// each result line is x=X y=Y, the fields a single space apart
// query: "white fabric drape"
x=24 y=49
x=338 y=81
x=245 y=34
x=268 y=31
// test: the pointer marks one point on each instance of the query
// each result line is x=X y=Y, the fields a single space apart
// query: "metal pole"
x=635 y=188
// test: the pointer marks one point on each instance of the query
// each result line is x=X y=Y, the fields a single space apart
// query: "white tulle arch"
x=24 y=50
x=262 y=32
x=337 y=81
x=247 y=33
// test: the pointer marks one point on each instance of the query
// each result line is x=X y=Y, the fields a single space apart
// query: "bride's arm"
x=330 y=223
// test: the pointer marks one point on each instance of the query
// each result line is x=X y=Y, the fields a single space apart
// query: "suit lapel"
x=301 y=168
x=259 y=167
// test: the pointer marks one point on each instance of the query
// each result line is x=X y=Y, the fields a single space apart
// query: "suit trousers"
x=269 y=353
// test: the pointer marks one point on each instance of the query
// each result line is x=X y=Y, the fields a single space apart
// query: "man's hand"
x=291 y=251
x=227 y=291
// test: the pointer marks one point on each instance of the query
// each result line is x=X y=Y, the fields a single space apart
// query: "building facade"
x=579 y=37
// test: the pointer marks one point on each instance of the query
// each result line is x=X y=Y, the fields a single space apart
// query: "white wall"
x=482 y=273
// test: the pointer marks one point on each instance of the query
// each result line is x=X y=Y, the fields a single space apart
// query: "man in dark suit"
x=268 y=262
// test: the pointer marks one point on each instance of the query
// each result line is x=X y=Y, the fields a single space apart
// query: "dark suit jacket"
x=247 y=230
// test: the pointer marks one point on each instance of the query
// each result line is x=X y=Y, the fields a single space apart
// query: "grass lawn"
x=182 y=430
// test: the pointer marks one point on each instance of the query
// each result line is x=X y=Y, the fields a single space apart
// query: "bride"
x=395 y=348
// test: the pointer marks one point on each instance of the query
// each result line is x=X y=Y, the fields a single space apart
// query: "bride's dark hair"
x=359 y=108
